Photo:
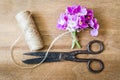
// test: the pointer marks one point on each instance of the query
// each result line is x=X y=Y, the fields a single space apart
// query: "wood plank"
x=46 y=13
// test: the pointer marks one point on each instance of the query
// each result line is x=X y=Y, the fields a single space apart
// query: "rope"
x=46 y=54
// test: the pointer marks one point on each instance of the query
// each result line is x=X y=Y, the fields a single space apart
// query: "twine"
x=46 y=54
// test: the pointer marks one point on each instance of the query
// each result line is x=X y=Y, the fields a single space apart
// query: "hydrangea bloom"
x=77 y=18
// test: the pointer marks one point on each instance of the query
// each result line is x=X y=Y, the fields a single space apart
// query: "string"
x=15 y=42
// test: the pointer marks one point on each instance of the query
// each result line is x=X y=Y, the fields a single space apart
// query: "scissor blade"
x=51 y=57
x=32 y=61
x=40 y=53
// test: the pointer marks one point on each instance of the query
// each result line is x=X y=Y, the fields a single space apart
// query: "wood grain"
x=46 y=13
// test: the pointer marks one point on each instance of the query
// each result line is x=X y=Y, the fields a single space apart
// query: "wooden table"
x=46 y=13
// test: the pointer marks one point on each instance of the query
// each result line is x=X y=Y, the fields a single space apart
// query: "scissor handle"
x=89 y=47
x=93 y=70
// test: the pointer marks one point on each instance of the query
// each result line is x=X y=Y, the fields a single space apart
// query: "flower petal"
x=77 y=9
x=90 y=12
x=69 y=10
x=83 y=11
x=62 y=22
x=94 y=32
x=96 y=26
x=91 y=23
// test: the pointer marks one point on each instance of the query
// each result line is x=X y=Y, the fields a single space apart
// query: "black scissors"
x=69 y=56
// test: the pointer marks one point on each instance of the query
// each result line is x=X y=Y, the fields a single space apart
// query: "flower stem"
x=75 y=41
x=73 y=44
x=78 y=45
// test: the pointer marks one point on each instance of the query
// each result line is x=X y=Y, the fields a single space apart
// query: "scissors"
x=70 y=56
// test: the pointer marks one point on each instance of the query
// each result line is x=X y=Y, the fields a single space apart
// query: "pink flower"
x=72 y=10
x=89 y=15
x=62 y=22
x=78 y=18
x=95 y=26
x=72 y=24
x=82 y=23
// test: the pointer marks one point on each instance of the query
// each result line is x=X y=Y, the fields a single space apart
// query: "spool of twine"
x=32 y=37
x=31 y=34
